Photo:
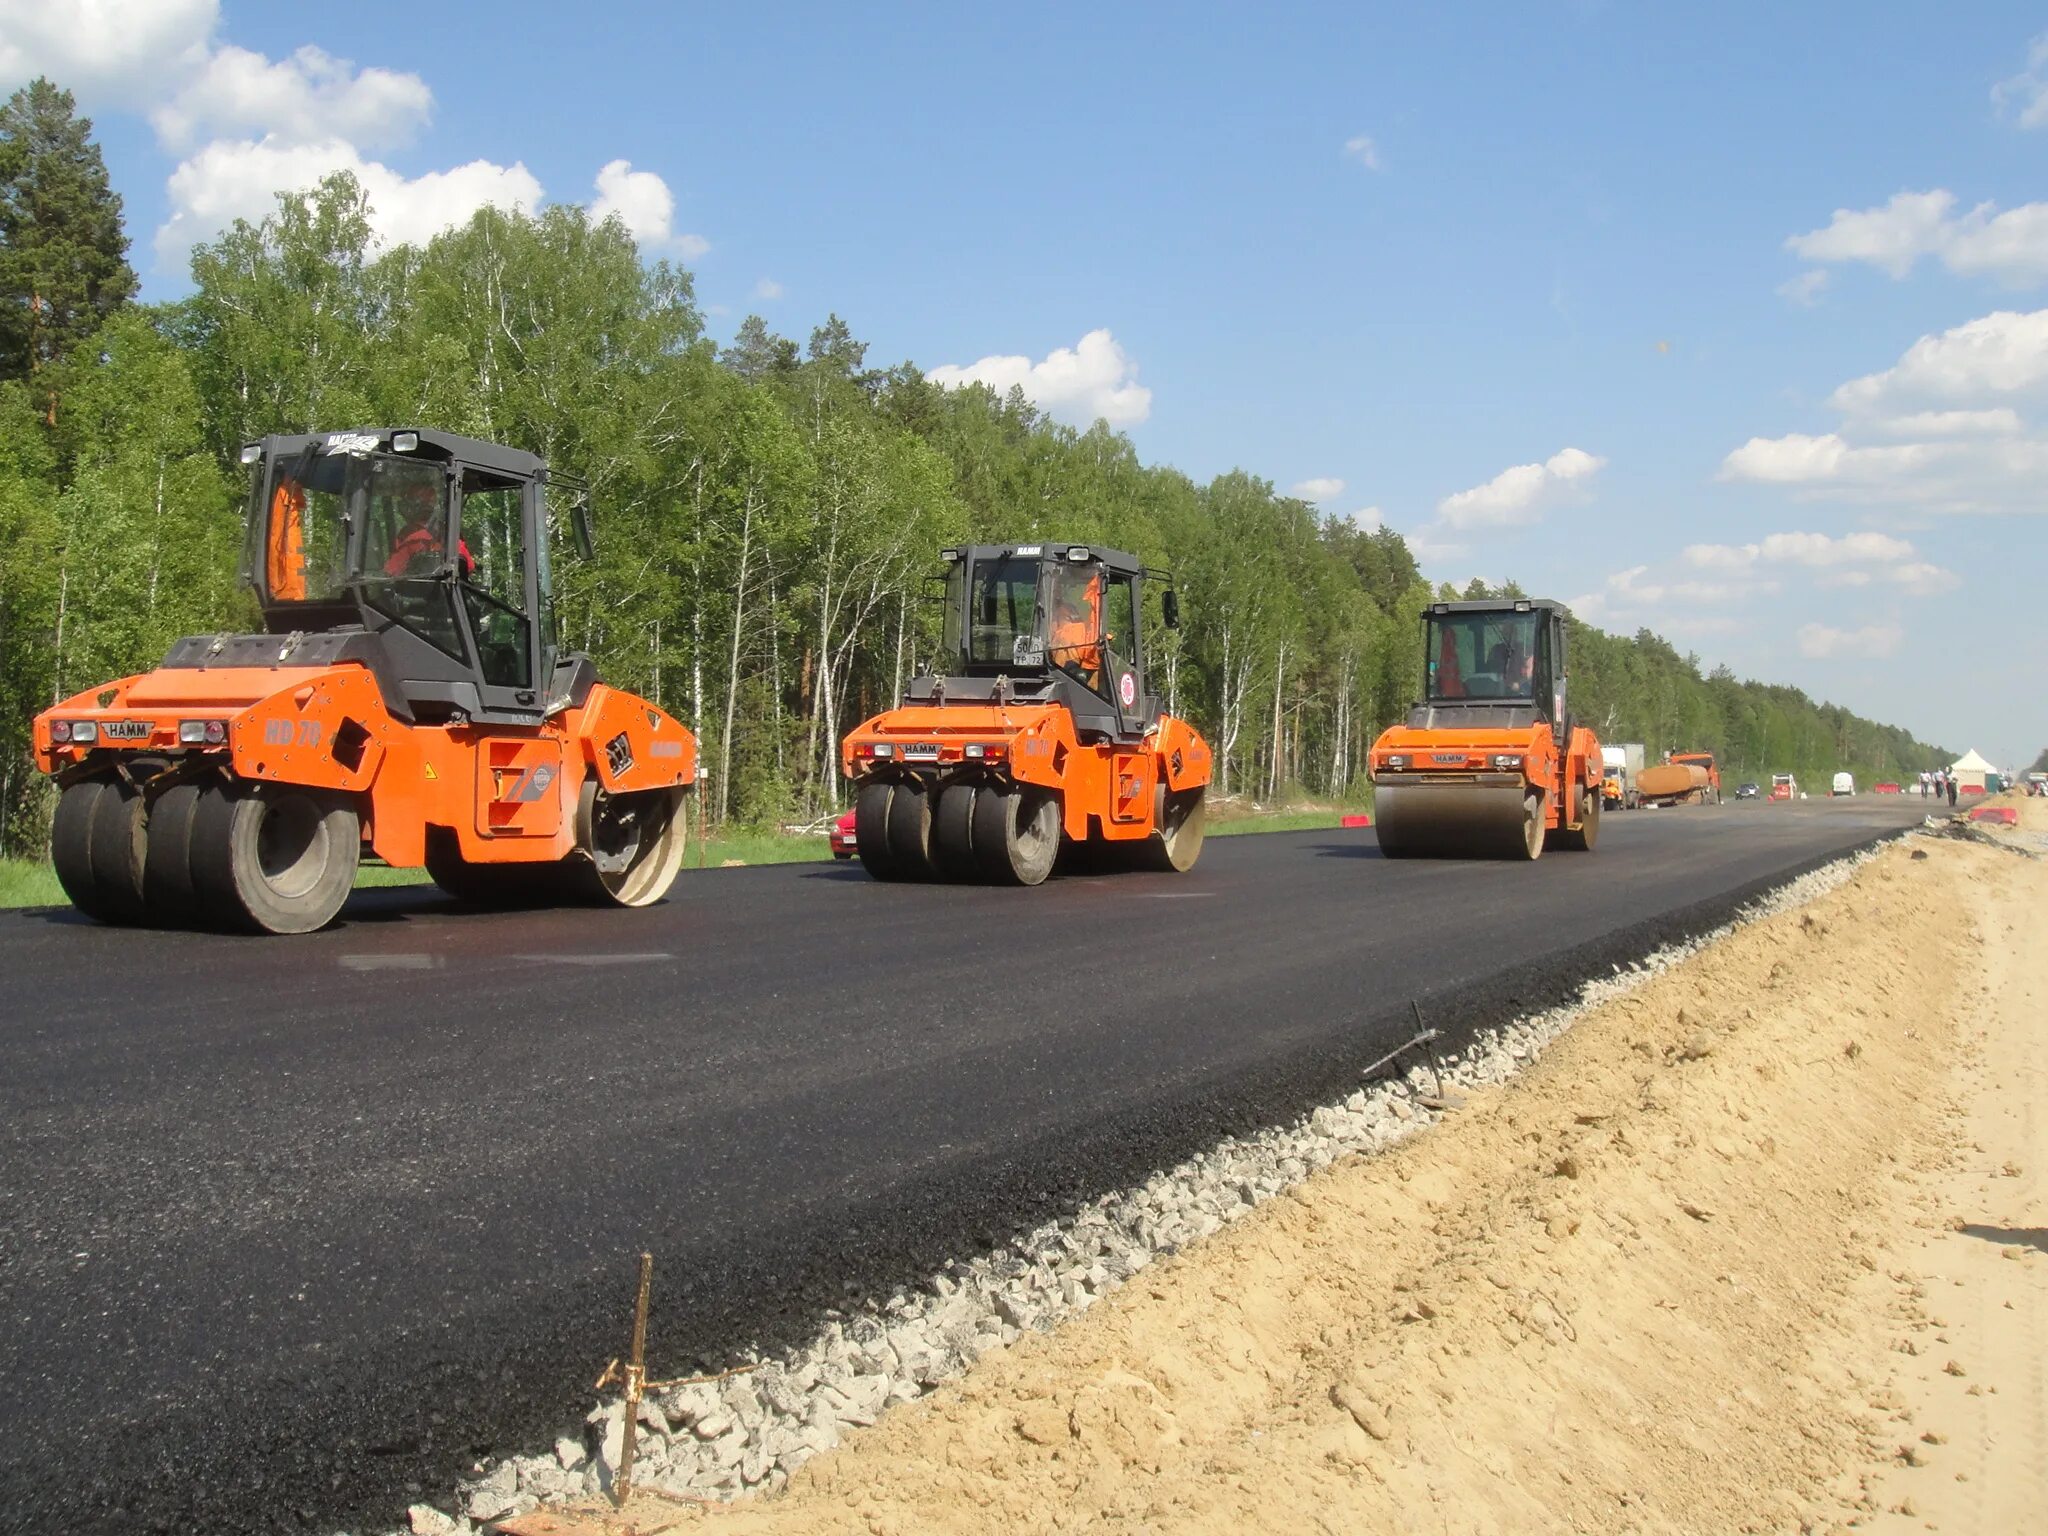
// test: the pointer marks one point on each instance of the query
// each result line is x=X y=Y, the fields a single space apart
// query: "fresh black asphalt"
x=294 y=1230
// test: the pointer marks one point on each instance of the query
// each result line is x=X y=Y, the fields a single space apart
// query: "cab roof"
x=1054 y=550
x=433 y=444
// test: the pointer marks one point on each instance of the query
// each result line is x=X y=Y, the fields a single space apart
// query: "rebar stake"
x=634 y=1378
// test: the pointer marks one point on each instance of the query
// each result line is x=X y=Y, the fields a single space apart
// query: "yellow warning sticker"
x=430 y=772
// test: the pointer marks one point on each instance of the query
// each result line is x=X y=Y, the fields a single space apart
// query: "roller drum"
x=1456 y=821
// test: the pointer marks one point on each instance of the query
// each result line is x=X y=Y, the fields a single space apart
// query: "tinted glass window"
x=305 y=544
x=1002 y=613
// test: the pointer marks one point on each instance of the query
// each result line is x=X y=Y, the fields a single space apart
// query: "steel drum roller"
x=1457 y=821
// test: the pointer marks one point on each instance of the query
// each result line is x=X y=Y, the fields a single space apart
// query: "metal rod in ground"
x=1429 y=1037
x=636 y=1380
x=1396 y=1053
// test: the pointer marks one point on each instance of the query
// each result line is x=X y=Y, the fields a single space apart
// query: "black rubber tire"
x=871 y=829
x=1583 y=838
x=1016 y=834
x=910 y=833
x=273 y=858
x=494 y=887
x=71 y=845
x=953 y=832
x=168 y=896
x=117 y=850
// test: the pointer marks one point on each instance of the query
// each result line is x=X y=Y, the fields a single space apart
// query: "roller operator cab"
x=1036 y=728
x=408 y=699
x=1490 y=763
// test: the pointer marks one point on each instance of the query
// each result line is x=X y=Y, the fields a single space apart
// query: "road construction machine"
x=1490 y=762
x=407 y=699
x=1035 y=730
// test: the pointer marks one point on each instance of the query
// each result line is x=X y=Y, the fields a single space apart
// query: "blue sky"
x=1560 y=291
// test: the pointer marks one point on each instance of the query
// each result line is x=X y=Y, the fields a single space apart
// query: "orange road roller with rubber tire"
x=1035 y=736
x=407 y=701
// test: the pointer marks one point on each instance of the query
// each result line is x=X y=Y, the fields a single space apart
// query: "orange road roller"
x=1035 y=731
x=1491 y=763
x=407 y=700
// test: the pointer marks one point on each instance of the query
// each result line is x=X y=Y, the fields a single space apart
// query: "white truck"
x=1845 y=784
x=1619 y=766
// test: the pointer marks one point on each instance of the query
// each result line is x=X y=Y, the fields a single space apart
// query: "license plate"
x=127 y=730
x=921 y=752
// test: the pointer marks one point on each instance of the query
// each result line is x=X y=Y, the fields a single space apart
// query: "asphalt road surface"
x=292 y=1230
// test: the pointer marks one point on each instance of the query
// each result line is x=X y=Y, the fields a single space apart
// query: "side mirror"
x=1169 y=607
x=579 y=523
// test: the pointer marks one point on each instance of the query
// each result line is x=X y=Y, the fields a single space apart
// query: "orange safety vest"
x=284 y=566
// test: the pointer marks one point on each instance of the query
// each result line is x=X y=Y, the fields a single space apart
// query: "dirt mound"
x=1629 y=1292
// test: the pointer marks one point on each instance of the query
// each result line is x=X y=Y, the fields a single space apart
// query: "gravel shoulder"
x=1660 y=1282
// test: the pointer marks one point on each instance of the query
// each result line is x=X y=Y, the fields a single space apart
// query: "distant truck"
x=1674 y=783
x=1784 y=787
x=1701 y=760
x=1620 y=767
x=1845 y=784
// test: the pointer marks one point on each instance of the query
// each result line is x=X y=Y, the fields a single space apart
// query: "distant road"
x=289 y=1225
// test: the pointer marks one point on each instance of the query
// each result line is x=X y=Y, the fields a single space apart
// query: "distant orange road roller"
x=1035 y=731
x=1490 y=764
x=408 y=699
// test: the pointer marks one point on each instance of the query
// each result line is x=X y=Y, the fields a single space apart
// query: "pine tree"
x=63 y=253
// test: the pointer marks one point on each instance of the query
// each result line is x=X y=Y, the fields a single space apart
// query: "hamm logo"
x=127 y=730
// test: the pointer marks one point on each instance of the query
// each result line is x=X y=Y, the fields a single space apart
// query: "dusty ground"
x=1756 y=1248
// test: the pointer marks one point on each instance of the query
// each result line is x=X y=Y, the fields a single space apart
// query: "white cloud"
x=2000 y=422
x=1320 y=488
x=309 y=98
x=1094 y=379
x=117 y=51
x=1367 y=518
x=1808 y=549
x=250 y=127
x=1517 y=496
x=2000 y=354
x=2011 y=246
x=1818 y=642
x=1430 y=550
x=2027 y=92
x=1805 y=289
x=1944 y=430
x=1364 y=151
x=231 y=179
x=767 y=288
x=642 y=202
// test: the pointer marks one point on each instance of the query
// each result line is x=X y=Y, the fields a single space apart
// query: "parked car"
x=843 y=845
x=1784 y=787
x=1845 y=784
x=1748 y=790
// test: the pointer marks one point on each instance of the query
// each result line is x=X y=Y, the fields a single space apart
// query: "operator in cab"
x=419 y=546
x=1076 y=635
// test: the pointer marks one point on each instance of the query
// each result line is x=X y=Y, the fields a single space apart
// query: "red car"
x=843 y=846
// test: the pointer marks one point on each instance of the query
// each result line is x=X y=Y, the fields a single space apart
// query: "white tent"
x=1968 y=770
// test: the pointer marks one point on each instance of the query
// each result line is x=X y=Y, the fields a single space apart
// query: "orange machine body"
x=1701 y=760
x=1522 y=761
x=507 y=794
x=1108 y=790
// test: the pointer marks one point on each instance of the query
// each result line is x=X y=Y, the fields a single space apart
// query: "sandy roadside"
x=1650 y=1286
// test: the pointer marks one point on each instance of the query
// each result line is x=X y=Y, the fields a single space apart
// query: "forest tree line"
x=768 y=512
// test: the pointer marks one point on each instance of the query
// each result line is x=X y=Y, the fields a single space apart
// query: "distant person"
x=1951 y=790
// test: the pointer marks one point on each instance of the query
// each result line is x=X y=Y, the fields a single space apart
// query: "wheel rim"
x=292 y=846
x=1038 y=830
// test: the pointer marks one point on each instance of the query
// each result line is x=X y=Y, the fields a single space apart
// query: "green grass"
x=29 y=883
x=32 y=883
x=1276 y=821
